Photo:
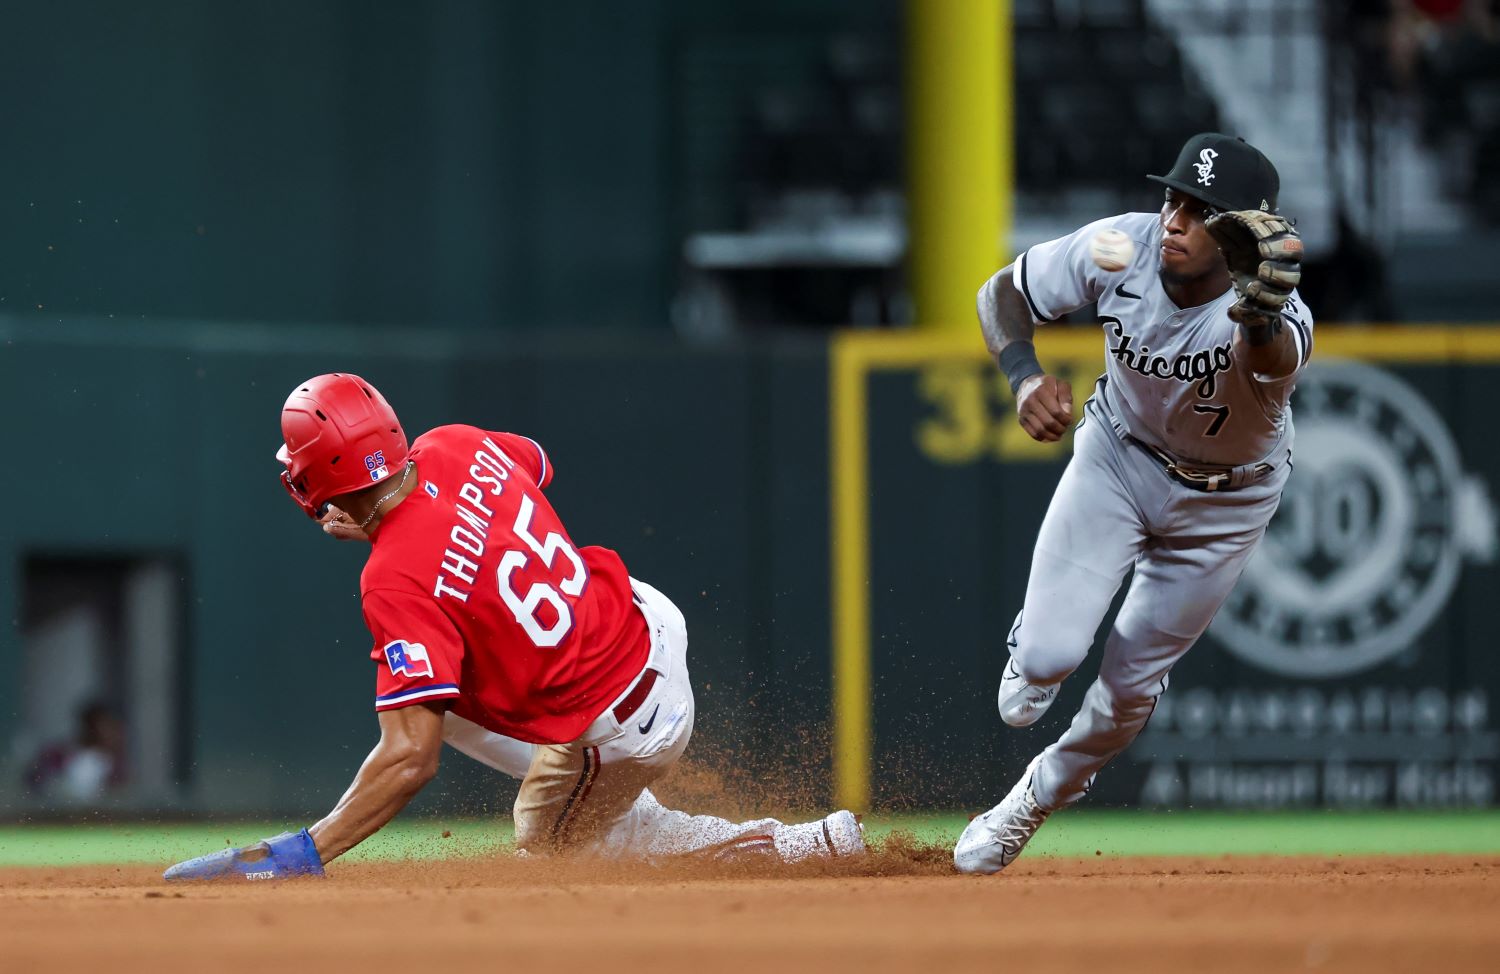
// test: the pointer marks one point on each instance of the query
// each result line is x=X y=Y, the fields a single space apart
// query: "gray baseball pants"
x=1115 y=508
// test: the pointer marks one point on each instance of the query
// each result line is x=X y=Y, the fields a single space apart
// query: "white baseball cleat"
x=1022 y=704
x=993 y=840
x=838 y=835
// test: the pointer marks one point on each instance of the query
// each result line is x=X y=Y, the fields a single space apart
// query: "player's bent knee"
x=1046 y=653
x=1047 y=668
x=1047 y=662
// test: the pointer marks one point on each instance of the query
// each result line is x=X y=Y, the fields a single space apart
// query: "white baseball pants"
x=592 y=795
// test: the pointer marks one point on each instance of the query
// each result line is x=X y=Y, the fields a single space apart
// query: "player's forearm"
x=1003 y=315
x=1008 y=328
x=387 y=781
x=1272 y=355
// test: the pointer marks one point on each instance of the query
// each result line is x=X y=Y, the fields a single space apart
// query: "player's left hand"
x=339 y=525
x=283 y=856
x=1264 y=256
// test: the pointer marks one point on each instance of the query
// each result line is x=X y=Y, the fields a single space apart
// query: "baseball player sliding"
x=495 y=633
x=1179 y=458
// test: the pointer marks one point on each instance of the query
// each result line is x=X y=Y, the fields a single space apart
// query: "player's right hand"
x=1044 y=408
x=339 y=525
x=283 y=856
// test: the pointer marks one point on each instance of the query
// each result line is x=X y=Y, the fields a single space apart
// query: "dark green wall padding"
x=706 y=470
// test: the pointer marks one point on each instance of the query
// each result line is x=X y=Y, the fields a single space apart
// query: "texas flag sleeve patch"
x=410 y=660
x=407 y=659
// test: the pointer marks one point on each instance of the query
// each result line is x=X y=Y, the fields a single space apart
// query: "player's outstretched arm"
x=1044 y=403
x=1264 y=256
x=411 y=739
x=405 y=759
x=1268 y=350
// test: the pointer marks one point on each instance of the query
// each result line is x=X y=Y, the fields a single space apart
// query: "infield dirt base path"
x=893 y=913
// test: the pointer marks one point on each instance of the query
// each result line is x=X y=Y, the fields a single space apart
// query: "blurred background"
x=720 y=259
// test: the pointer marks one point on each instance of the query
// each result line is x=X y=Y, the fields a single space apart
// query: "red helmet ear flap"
x=285 y=456
x=299 y=497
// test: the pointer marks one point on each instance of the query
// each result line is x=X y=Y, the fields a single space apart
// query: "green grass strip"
x=91 y=845
x=1213 y=833
x=1069 y=834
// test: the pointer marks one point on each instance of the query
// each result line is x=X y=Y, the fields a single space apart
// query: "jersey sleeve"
x=418 y=653
x=528 y=455
x=1060 y=275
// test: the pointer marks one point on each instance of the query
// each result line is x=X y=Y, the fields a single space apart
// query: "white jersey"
x=1171 y=379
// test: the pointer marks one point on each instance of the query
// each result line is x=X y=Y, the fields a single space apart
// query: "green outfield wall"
x=705 y=469
x=847 y=596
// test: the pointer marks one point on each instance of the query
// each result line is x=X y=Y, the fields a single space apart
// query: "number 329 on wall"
x=973 y=415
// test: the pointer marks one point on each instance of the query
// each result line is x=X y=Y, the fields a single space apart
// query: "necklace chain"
x=376 y=509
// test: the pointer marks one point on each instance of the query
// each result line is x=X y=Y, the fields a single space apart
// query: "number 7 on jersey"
x=1220 y=414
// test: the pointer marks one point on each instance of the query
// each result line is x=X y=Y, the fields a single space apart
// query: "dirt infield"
x=898 y=911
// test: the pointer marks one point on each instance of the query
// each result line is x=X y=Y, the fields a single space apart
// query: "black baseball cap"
x=1225 y=172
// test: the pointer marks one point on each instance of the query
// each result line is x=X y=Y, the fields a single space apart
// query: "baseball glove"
x=1264 y=255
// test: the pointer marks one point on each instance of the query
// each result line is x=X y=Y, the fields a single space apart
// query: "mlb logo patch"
x=407 y=659
x=379 y=474
x=431 y=489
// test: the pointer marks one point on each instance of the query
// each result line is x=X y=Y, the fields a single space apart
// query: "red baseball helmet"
x=341 y=436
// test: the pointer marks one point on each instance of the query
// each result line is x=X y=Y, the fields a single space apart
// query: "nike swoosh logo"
x=1120 y=290
x=644 y=728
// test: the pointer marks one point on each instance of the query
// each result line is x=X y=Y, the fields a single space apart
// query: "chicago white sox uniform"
x=1179 y=460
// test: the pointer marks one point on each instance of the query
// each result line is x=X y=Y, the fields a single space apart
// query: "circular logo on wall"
x=1375 y=523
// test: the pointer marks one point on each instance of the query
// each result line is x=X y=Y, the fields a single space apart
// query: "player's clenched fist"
x=1044 y=407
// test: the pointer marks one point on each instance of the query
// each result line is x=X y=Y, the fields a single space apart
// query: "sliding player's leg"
x=592 y=795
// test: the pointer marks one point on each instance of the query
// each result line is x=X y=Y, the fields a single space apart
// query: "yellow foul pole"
x=958 y=125
x=959 y=156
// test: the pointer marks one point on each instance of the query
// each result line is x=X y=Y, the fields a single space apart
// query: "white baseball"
x=1111 y=250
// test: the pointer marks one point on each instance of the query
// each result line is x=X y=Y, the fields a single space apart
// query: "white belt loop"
x=660 y=658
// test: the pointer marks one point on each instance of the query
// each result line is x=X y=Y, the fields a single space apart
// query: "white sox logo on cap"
x=1206 y=167
x=1249 y=179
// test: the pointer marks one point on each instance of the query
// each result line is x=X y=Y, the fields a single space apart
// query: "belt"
x=1210 y=482
x=611 y=722
x=627 y=707
x=637 y=694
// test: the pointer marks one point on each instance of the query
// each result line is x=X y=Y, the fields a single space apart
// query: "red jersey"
x=476 y=595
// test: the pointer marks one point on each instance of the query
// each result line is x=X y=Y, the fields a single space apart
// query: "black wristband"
x=1018 y=362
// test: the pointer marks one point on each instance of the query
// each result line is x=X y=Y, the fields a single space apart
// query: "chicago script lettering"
x=1201 y=367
